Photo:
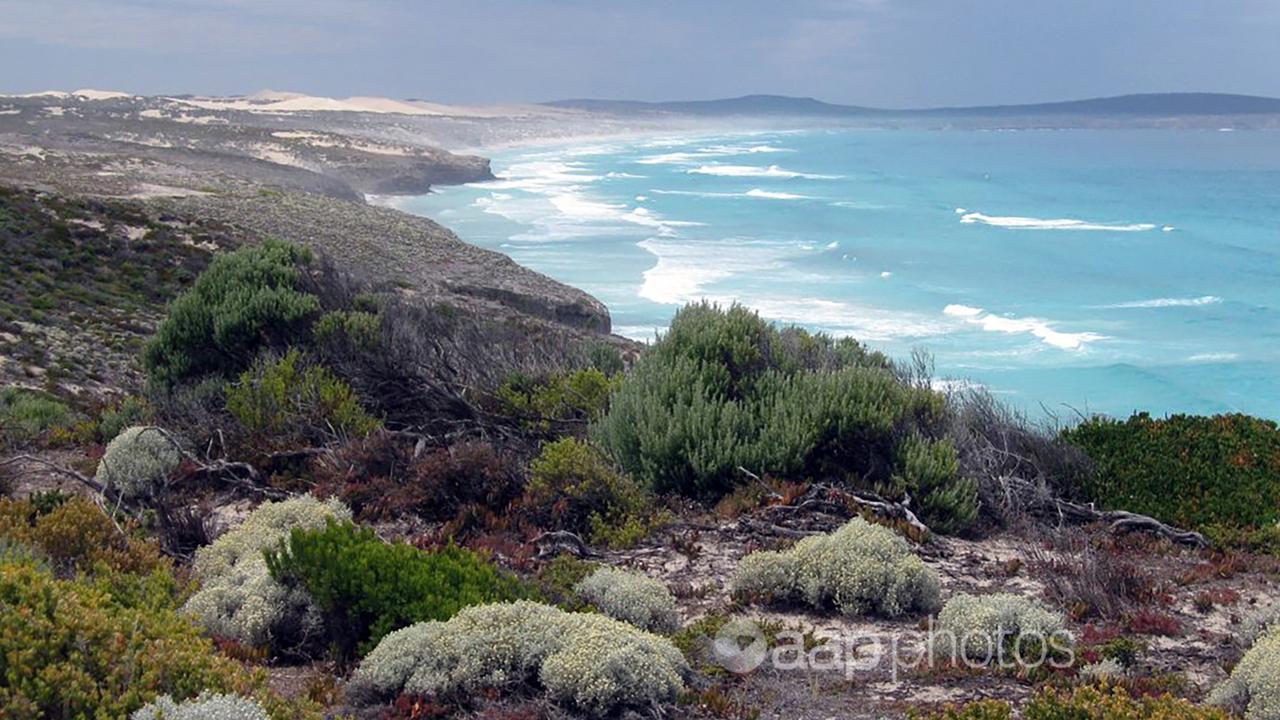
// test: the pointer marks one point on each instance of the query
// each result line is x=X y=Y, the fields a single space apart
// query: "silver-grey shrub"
x=138 y=462
x=207 y=706
x=238 y=598
x=631 y=598
x=976 y=628
x=859 y=569
x=1254 y=685
x=586 y=661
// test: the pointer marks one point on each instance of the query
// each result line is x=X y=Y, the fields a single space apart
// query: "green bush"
x=631 y=598
x=1085 y=703
x=128 y=412
x=559 y=400
x=242 y=301
x=68 y=649
x=590 y=662
x=361 y=330
x=859 y=569
x=724 y=390
x=138 y=463
x=983 y=628
x=26 y=415
x=1191 y=471
x=238 y=599
x=208 y=706
x=1254 y=686
x=368 y=588
x=571 y=483
x=284 y=401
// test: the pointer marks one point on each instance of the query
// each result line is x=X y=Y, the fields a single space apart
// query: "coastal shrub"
x=126 y=413
x=555 y=581
x=859 y=569
x=287 y=401
x=1191 y=471
x=243 y=301
x=138 y=462
x=70 y=650
x=589 y=662
x=26 y=415
x=207 y=706
x=1253 y=688
x=572 y=482
x=238 y=599
x=929 y=471
x=723 y=391
x=77 y=536
x=383 y=477
x=368 y=588
x=999 y=626
x=560 y=401
x=357 y=329
x=631 y=598
x=1083 y=703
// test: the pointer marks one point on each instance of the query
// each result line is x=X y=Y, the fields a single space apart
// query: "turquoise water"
x=1090 y=270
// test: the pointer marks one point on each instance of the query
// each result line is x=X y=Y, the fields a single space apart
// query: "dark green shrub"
x=287 y=400
x=26 y=415
x=571 y=483
x=368 y=588
x=1191 y=471
x=241 y=302
x=724 y=391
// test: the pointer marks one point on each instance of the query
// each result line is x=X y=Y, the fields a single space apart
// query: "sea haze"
x=1095 y=270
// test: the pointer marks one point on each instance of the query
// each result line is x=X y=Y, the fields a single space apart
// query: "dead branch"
x=78 y=477
x=1117 y=521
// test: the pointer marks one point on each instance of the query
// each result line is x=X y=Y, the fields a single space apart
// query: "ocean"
x=1068 y=271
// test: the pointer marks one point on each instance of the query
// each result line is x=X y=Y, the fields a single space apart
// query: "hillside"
x=1132 y=108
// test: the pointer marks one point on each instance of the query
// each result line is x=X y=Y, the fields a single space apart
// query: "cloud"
x=189 y=26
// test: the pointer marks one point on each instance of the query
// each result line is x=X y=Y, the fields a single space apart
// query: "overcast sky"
x=889 y=53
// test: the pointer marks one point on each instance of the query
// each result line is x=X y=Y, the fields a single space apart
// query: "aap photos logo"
x=740 y=646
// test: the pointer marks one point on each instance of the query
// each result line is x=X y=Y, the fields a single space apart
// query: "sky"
x=884 y=53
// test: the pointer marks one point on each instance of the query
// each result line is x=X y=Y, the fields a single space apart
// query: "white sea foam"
x=685 y=270
x=694 y=157
x=752 y=193
x=1213 y=357
x=886 y=274
x=772 y=171
x=1030 y=223
x=1036 y=327
x=1167 y=302
x=858 y=205
x=772 y=195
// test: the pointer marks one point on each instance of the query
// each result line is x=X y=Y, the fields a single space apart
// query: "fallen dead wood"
x=1040 y=505
x=557 y=542
x=841 y=503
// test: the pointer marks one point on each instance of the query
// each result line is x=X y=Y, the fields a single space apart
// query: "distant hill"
x=1149 y=105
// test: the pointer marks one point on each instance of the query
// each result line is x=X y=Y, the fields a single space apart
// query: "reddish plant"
x=1152 y=622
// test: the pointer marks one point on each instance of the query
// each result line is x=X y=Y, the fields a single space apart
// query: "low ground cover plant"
x=859 y=569
x=589 y=662
x=631 y=598
x=238 y=598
